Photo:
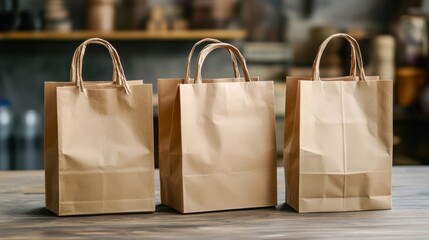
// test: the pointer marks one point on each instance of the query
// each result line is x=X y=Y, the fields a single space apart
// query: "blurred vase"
x=56 y=16
x=413 y=40
x=101 y=15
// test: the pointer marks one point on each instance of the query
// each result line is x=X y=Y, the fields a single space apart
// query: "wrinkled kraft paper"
x=217 y=145
x=338 y=144
x=99 y=148
x=167 y=91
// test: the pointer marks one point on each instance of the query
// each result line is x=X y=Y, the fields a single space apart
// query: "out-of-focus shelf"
x=232 y=34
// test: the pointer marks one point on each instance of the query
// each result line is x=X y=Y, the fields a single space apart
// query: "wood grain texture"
x=126 y=35
x=22 y=216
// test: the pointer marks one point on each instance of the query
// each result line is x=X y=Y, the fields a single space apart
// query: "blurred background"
x=153 y=38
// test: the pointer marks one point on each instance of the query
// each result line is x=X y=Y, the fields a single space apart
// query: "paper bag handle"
x=118 y=70
x=209 y=48
x=76 y=67
x=188 y=64
x=73 y=68
x=352 y=61
x=352 y=71
x=355 y=51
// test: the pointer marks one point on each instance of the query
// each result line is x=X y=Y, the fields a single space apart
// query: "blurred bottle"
x=8 y=15
x=29 y=142
x=383 y=58
x=30 y=20
x=412 y=48
x=5 y=134
x=413 y=40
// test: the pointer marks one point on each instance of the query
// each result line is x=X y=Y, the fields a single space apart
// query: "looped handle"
x=76 y=67
x=209 y=48
x=188 y=64
x=356 y=57
x=73 y=68
x=353 y=55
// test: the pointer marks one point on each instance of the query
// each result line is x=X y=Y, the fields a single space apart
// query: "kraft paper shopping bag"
x=338 y=140
x=98 y=142
x=222 y=151
x=167 y=89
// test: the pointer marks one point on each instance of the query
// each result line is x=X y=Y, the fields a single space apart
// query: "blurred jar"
x=101 y=15
x=5 y=135
x=408 y=85
x=29 y=141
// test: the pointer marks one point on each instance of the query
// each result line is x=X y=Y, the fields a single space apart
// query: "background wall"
x=25 y=65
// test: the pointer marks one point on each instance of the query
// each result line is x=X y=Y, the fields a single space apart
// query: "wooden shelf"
x=232 y=34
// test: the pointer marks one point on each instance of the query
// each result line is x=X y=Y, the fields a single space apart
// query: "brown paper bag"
x=167 y=89
x=338 y=140
x=222 y=152
x=98 y=143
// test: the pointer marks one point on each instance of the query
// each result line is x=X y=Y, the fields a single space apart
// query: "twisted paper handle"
x=77 y=62
x=356 y=57
x=188 y=64
x=209 y=48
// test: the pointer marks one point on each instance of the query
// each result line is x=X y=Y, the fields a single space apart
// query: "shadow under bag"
x=338 y=140
x=98 y=143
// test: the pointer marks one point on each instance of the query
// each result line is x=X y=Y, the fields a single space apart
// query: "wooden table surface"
x=23 y=216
